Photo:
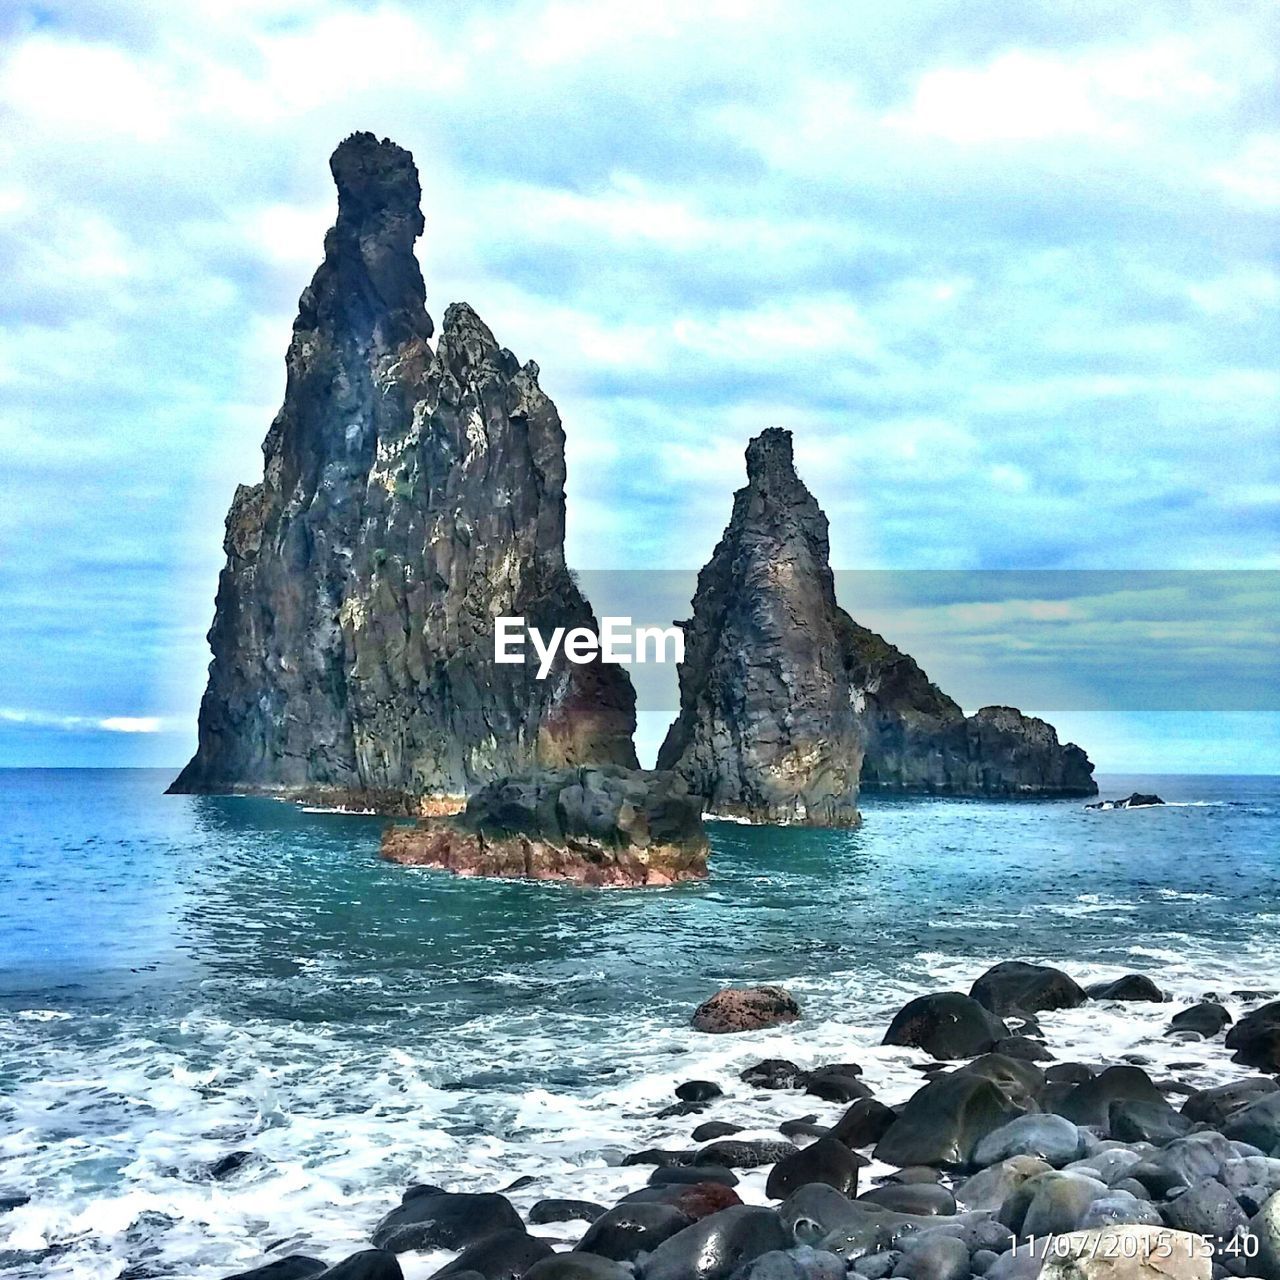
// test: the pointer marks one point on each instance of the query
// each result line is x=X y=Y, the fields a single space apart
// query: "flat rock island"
x=606 y=827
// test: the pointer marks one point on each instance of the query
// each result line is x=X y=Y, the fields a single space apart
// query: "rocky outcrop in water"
x=1136 y=800
x=745 y=1009
x=593 y=826
x=409 y=496
x=787 y=705
x=919 y=740
x=767 y=728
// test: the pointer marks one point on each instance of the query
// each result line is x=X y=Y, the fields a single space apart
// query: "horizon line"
x=175 y=769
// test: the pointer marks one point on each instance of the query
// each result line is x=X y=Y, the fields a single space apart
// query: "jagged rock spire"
x=370 y=283
x=767 y=729
x=409 y=496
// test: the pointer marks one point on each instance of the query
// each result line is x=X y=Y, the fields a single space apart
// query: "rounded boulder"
x=698 y=1091
x=1204 y=1019
x=942 y=1123
x=864 y=1124
x=632 y=1228
x=1053 y=1139
x=935 y=1258
x=745 y=1009
x=825 y=1160
x=444 y=1220
x=716 y=1247
x=946 y=1025
x=578 y=1266
x=505 y=1255
x=1026 y=988
x=1255 y=1039
x=1133 y=986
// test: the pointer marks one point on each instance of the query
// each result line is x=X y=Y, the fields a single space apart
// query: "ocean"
x=186 y=977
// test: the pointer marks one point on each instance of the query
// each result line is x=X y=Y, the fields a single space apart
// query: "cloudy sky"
x=1008 y=271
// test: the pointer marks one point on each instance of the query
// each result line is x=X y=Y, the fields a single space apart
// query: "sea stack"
x=787 y=705
x=410 y=496
x=768 y=728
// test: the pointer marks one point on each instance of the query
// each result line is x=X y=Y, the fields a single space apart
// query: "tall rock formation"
x=767 y=728
x=787 y=704
x=409 y=497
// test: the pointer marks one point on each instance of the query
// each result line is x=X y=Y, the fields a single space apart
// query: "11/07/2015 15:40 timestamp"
x=1137 y=1243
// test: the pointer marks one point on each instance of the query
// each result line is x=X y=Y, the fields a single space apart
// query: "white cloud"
x=131 y=724
x=95 y=91
x=81 y=724
x=1006 y=476
x=1247 y=290
x=991 y=614
x=568 y=32
x=1253 y=176
x=286 y=234
x=830 y=326
x=628 y=211
x=1018 y=97
x=1026 y=95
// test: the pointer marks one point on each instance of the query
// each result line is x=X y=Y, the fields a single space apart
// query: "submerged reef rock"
x=410 y=496
x=787 y=705
x=767 y=728
x=594 y=826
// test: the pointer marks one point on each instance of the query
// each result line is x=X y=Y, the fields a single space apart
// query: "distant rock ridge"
x=918 y=740
x=768 y=729
x=1136 y=800
x=409 y=496
x=787 y=705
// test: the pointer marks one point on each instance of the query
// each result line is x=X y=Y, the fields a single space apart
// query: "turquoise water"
x=185 y=976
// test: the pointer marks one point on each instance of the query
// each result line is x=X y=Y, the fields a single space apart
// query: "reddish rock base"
x=592 y=825
x=439 y=843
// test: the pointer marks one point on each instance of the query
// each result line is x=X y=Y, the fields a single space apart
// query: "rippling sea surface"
x=183 y=977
